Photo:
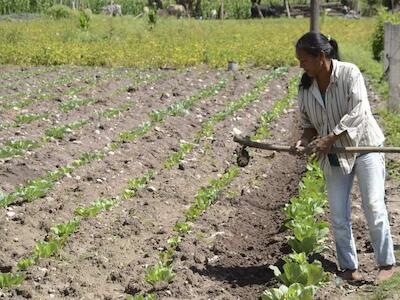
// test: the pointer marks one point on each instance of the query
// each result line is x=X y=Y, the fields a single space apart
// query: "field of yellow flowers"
x=133 y=42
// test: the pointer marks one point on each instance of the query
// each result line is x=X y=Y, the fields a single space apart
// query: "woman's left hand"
x=322 y=145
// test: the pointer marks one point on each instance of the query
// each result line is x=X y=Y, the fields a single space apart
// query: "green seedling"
x=95 y=208
x=159 y=273
x=135 y=133
x=8 y=280
x=47 y=249
x=176 y=157
x=34 y=189
x=208 y=195
x=74 y=104
x=25 y=263
x=174 y=242
x=17 y=147
x=66 y=229
x=29 y=118
x=182 y=227
x=60 y=131
x=166 y=256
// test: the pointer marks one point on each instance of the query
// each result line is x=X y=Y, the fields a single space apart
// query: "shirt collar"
x=335 y=71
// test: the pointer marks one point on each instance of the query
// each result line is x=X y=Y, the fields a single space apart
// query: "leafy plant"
x=60 y=131
x=75 y=103
x=309 y=235
x=182 y=227
x=176 y=157
x=9 y=279
x=159 y=273
x=298 y=270
x=95 y=208
x=47 y=249
x=17 y=147
x=174 y=241
x=296 y=291
x=66 y=229
x=378 y=35
x=24 y=263
x=29 y=118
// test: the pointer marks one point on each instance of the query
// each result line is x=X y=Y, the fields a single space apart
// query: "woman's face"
x=309 y=63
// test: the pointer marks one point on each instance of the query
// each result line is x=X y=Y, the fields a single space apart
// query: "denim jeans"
x=370 y=172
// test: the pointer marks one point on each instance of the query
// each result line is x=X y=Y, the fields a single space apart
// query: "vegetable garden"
x=122 y=183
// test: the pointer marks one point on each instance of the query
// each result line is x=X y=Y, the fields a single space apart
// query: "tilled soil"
x=227 y=253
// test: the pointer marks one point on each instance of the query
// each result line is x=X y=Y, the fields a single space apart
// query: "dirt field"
x=228 y=250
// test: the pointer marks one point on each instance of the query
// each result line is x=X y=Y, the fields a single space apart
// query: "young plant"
x=75 y=103
x=17 y=147
x=296 y=291
x=60 y=131
x=182 y=227
x=309 y=235
x=95 y=208
x=9 y=279
x=174 y=241
x=29 y=118
x=298 y=270
x=159 y=273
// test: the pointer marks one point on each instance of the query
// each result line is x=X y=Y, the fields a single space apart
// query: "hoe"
x=244 y=157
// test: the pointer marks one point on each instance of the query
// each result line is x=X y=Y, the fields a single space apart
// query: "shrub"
x=84 y=18
x=59 y=12
x=378 y=37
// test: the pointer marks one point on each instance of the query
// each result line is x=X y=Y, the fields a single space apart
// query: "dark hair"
x=313 y=43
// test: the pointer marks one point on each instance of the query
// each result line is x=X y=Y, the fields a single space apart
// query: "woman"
x=335 y=112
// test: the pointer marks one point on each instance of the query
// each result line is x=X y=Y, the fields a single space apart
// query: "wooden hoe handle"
x=367 y=149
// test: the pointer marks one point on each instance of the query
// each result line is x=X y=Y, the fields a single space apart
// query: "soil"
x=230 y=247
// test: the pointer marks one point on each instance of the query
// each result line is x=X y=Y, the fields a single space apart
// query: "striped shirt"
x=346 y=108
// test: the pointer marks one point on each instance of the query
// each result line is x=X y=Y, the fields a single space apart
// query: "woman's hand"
x=322 y=145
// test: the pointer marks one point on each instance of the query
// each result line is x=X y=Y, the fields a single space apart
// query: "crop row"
x=162 y=271
x=37 y=188
x=301 y=278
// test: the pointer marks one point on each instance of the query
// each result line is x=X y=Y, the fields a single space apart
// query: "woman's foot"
x=351 y=275
x=385 y=273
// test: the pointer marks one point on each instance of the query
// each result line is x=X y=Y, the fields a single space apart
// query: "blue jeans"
x=370 y=172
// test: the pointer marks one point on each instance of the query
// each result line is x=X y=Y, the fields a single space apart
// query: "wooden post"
x=222 y=10
x=286 y=4
x=314 y=25
x=392 y=64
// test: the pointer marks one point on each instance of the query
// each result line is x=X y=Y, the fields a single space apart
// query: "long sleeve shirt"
x=345 y=109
